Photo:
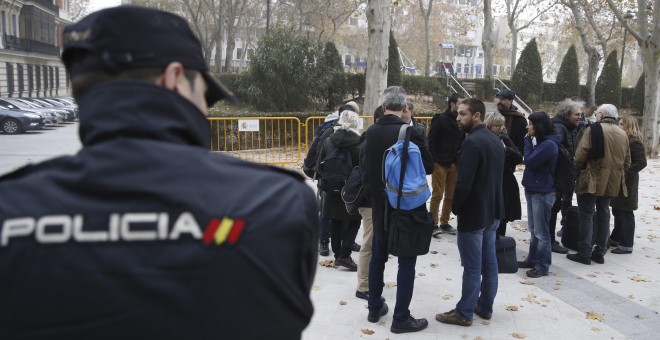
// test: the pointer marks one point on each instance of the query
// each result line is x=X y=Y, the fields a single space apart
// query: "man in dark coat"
x=565 y=122
x=379 y=137
x=146 y=234
x=478 y=205
x=514 y=121
x=444 y=141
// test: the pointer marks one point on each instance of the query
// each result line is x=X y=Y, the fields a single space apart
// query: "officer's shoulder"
x=26 y=170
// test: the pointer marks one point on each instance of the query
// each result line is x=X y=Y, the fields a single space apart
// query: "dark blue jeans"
x=624 y=228
x=539 y=207
x=477 y=250
x=405 y=280
x=594 y=228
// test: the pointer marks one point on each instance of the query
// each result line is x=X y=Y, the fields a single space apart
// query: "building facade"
x=30 y=48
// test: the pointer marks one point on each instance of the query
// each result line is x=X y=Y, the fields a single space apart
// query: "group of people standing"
x=471 y=157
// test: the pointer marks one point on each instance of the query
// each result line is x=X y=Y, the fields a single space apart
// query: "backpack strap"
x=404 y=135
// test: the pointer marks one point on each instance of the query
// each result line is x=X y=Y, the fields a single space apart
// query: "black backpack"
x=334 y=166
x=309 y=163
x=564 y=176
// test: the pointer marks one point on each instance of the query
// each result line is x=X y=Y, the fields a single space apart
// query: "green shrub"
x=568 y=77
x=331 y=76
x=284 y=72
x=608 y=86
x=637 y=102
x=528 y=75
x=393 y=63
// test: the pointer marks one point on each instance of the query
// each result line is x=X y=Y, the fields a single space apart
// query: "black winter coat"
x=445 y=138
x=516 y=125
x=478 y=199
x=567 y=133
x=332 y=205
x=380 y=136
x=510 y=188
x=145 y=234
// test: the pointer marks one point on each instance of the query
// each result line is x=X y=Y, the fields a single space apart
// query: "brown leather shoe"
x=452 y=318
x=346 y=262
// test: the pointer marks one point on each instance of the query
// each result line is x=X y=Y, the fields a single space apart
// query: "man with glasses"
x=145 y=234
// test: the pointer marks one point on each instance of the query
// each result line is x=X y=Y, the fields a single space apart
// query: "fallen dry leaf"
x=527 y=281
x=447 y=297
x=518 y=335
x=390 y=284
x=485 y=322
x=381 y=323
x=557 y=287
x=595 y=329
x=639 y=278
x=639 y=317
x=615 y=281
x=444 y=253
x=327 y=263
x=656 y=207
x=592 y=275
x=434 y=265
x=421 y=274
x=595 y=316
x=434 y=251
x=512 y=308
x=316 y=288
x=631 y=297
x=342 y=303
x=367 y=331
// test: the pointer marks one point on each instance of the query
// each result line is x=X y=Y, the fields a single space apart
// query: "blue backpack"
x=403 y=164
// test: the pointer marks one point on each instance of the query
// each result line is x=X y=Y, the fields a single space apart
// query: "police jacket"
x=145 y=234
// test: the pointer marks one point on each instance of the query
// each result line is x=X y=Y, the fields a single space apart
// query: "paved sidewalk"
x=616 y=300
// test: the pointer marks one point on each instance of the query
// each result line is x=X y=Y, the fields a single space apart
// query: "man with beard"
x=479 y=205
x=444 y=142
x=514 y=121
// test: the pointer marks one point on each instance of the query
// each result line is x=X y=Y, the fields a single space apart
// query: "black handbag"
x=409 y=231
x=352 y=193
x=505 y=249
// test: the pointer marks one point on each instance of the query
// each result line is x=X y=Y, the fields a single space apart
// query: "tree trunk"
x=487 y=40
x=379 y=23
x=650 y=122
x=426 y=13
x=514 y=48
x=592 y=52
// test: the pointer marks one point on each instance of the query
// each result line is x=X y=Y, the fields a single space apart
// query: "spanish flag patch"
x=225 y=230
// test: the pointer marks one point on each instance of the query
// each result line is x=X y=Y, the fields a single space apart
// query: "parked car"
x=13 y=122
x=49 y=117
x=59 y=115
x=62 y=104
x=67 y=114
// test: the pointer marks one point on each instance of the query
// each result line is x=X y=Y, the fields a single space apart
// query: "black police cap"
x=132 y=37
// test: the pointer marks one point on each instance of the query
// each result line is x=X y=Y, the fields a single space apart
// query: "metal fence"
x=272 y=140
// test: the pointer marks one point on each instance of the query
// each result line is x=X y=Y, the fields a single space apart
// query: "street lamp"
x=626 y=17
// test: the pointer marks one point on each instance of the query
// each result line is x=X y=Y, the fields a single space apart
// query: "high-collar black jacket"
x=145 y=234
x=478 y=199
x=445 y=138
x=379 y=137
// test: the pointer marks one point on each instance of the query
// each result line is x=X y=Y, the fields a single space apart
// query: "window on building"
x=37 y=76
x=30 y=78
x=481 y=54
x=57 y=77
x=19 y=76
x=4 y=22
x=473 y=3
x=466 y=69
x=10 y=78
x=508 y=70
x=494 y=70
x=50 y=77
x=477 y=69
x=458 y=68
x=239 y=53
x=347 y=60
x=468 y=51
x=14 y=25
x=44 y=71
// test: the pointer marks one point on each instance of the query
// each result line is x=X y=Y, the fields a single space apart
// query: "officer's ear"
x=172 y=78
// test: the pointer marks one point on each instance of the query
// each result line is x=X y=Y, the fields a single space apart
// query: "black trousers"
x=562 y=203
x=342 y=236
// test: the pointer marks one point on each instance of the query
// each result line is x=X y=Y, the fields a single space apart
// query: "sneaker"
x=410 y=325
x=448 y=229
x=355 y=247
x=557 y=248
x=578 y=258
x=600 y=259
x=365 y=295
x=452 y=318
x=346 y=262
x=480 y=314
x=323 y=249
x=374 y=316
x=620 y=251
x=535 y=273
x=525 y=264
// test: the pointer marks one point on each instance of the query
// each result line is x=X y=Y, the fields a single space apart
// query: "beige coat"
x=605 y=176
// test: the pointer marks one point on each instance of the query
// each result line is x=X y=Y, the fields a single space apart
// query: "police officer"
x=145 y=234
